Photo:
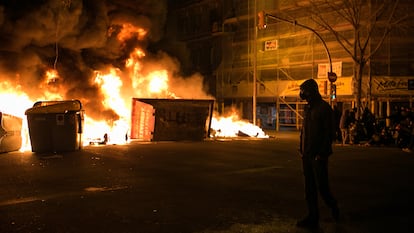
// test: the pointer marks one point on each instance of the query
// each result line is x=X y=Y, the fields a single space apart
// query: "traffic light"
x=261 y=20
x=333 y=92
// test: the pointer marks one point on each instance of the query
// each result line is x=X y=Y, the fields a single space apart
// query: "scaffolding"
x=255 y=60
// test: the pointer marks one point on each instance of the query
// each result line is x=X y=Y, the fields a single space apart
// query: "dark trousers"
x=316 y=180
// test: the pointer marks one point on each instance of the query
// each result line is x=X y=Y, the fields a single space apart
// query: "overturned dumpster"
x=171 y=119
x=55 y=126
x=10 y=133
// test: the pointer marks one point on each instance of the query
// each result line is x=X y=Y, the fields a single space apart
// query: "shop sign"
x=271 y=45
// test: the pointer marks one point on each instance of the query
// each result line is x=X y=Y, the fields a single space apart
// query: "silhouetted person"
x=344 y=126
x=352 y=126
x=317 y=134
x=338 y=115
x=369 y=120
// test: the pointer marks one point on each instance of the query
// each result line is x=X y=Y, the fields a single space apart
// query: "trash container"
x=171 y=119
x=10 y=133
x=55 y=126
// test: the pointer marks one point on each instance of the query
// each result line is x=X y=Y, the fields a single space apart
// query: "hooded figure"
x=318 y=130
x=317 y=135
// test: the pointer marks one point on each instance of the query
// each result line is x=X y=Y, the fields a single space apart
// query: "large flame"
x=117 y=87
x=115 y=131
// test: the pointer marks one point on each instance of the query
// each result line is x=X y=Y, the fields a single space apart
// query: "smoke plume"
x=77 y=38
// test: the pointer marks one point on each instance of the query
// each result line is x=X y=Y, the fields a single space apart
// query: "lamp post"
x=262 y=17
x=254 y=95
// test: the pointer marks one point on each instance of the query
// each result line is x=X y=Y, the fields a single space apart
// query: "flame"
x=153 y=84
x=233 y=126
x=16 y=104
x=158 y=81
x=115 y=131
x=110 y=85
x=129 y=31
x=14 y=101
x=51 y=76
x=158 y=84
x=132 y=60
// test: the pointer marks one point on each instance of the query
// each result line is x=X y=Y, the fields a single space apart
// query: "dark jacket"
x=318 y=129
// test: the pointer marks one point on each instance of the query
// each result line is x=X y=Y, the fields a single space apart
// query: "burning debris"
x=171 y=119
x=92 y=51
x=232 y=126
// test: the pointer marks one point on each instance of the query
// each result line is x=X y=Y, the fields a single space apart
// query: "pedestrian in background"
x=338 y=132
x=344 y=126
x=316 y=137
x=352 y=126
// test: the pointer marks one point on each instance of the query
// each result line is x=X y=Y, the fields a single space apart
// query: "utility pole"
x=254 y=65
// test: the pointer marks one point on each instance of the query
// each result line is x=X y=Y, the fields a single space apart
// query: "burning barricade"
x=171 y=119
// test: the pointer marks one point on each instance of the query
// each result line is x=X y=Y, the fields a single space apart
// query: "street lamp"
x=262 y=21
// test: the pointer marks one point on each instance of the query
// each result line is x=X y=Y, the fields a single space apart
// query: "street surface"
x=213 y=186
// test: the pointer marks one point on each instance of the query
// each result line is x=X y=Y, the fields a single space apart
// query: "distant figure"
x=368 y=120
x=410 y=145
x=352 y=126
x=338 y=132
x=344 y=126
x=105 y=140
x=316 y=137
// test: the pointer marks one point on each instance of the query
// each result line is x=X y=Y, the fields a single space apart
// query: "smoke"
x=77 y=38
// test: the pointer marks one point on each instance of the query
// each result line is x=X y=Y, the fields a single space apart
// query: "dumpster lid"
x=61 y=106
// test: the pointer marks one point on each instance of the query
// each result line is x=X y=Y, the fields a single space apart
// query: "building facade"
x=259 y=70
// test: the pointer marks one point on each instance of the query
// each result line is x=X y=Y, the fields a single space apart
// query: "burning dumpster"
x=170 y=119
x=55 y=126
x=10 y=133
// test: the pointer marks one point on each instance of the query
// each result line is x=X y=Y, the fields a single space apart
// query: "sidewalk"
x=293 y=134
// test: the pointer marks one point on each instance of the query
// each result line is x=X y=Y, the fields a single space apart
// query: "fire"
x=154 y=84
x=111 y=85
x=51 y=76
x=117 y=86
x=115 y=131
x=232 y=126
x=158 y=84
x=131 y=62
x=158 y=81
x=15 y=102
x=128 y=31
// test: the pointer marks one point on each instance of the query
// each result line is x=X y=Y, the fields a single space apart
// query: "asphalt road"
x=213 y=186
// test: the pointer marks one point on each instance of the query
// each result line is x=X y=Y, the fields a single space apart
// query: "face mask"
x=303 y=95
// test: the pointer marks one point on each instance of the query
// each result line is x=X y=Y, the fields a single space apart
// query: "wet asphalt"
x=226 y=185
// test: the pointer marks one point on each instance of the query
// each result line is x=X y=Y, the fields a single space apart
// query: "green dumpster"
x=55 y=126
